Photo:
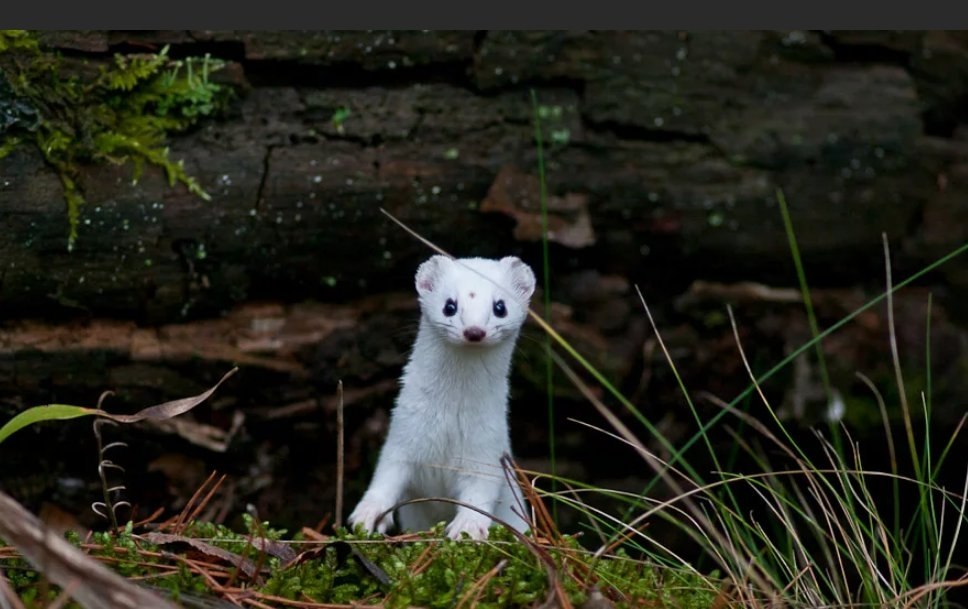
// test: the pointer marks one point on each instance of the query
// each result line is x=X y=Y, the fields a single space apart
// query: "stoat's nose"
x=474 y=334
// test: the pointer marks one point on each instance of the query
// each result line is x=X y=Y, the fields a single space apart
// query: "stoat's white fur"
x=449 y=427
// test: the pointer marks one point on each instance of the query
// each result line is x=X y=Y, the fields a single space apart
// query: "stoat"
x=449 y=426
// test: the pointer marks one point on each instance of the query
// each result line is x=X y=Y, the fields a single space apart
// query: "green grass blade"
x=38 y=414
x=546 y=267
x=804 y=289
x=926 y=449
x=930 y=526
x=808 y=305
x=947 y=448
x=715 y=419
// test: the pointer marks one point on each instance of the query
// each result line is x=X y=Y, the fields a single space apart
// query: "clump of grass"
x=814 y=535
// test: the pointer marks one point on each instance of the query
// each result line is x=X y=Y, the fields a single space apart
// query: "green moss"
x=17 y=40
x=430 y=571
x=121 y=112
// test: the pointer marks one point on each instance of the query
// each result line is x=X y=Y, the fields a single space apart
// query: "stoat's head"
x=475 y=301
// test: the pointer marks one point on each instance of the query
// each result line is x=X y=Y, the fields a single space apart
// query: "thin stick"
x=896 y=360
x=201 y=504
x=338 y=520
x=8 y=598
x=415 y=235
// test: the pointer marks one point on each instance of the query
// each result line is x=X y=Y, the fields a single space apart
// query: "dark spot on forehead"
x=471 y=294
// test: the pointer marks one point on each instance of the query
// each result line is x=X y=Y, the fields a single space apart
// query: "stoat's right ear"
x=430 y=272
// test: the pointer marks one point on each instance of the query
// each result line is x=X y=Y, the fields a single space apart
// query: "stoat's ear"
x=520 y=275
x=430 y=272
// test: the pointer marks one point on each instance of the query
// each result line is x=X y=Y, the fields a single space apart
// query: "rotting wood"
x=92 y=584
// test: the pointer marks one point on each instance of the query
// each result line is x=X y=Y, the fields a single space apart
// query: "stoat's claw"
x=474 y=524
x=366 y=514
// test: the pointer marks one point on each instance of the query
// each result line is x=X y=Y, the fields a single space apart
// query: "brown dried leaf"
x=248 y=567
x=280 y=550
x=168 y=409
x=518 y=195
x=342 y=549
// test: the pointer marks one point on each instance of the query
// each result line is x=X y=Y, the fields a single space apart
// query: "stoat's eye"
x=499 y=309
x=450 y=307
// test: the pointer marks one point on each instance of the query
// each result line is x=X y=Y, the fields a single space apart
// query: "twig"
x=338 y=521
x=191 y=510
x=478 y=587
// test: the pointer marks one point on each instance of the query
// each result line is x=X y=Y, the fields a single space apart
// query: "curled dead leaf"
x=170 y=409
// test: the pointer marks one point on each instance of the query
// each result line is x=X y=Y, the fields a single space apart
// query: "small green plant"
x=339 y=117
x=558 y=134
x=122 y=112
x=62 y=412
x=108 y=507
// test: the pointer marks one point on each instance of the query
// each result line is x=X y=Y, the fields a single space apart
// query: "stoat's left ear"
x=521 y=276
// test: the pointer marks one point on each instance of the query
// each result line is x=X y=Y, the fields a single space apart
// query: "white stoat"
x=449 y=427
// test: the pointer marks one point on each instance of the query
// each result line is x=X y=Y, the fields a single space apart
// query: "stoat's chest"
x=446 y=424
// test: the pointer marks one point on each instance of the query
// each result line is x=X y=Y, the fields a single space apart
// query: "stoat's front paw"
x=474 y=524
x=366 y=513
